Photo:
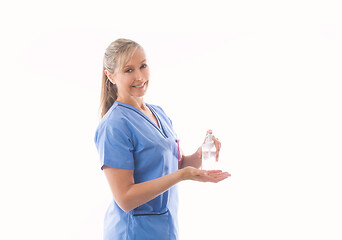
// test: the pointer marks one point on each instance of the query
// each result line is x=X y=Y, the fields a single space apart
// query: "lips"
x=140 y=86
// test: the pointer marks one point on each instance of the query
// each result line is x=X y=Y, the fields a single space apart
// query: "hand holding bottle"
x=210 y=151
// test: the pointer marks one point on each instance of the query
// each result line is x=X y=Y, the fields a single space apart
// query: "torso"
x=155 y=154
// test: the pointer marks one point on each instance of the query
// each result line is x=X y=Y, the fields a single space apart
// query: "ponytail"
x=109 y=94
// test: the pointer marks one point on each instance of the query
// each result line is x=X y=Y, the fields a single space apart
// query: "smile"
x=140 y=86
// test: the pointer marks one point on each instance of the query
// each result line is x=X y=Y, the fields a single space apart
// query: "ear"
x=109 y=76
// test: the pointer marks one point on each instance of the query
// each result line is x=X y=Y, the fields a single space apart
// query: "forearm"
x=141 y=193
x=193 y=160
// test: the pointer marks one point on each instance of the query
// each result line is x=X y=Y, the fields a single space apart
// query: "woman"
x=139 y=151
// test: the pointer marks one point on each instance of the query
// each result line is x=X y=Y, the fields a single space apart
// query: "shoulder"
x=113 y=121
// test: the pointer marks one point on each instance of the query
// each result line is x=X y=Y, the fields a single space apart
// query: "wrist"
x=183 y=174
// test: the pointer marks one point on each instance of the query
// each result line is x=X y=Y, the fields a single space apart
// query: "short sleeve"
x=114 y=146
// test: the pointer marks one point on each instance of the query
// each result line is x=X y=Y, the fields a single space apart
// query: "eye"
x=129 y=70
x=144 y=65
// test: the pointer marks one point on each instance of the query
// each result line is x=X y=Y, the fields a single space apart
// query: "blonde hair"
x=116 y=56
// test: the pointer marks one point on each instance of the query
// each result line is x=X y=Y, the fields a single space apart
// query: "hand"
x=217 y=144
x=215 y=176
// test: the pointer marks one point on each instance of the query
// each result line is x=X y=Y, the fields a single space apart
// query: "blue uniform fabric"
x=126 y=138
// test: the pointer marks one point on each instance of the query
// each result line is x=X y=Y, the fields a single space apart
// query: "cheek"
x=128 y=80
x=147 y=74
x=124 y=82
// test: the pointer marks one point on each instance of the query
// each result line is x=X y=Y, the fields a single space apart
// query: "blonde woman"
x=139 y=151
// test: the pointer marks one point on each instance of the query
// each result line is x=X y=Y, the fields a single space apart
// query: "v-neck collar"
x=160 y=128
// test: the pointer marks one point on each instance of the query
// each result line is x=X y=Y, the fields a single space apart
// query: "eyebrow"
x=132 y=65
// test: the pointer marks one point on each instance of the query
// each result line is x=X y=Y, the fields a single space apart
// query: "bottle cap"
x=209 y=137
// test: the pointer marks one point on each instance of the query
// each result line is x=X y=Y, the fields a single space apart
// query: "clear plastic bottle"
x=208 y=153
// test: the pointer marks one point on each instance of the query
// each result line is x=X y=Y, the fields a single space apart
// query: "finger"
x=220 y=177
x=214 y=179
x=227 y=174
x=217 y=144
x=214 y=171
x=220 y=174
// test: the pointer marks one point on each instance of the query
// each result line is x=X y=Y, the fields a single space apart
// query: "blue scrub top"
x=126 y=138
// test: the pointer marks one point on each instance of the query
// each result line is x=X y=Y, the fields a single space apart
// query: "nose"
x=138 y=75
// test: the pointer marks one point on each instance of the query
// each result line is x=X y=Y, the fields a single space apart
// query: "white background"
x=264 y=75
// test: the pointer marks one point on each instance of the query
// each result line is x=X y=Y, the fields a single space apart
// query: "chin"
x=143 y=91
x=140 y=92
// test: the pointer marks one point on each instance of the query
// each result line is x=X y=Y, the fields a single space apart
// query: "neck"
x=134 y=102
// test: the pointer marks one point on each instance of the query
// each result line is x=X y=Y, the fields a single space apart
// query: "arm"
x=129 y=195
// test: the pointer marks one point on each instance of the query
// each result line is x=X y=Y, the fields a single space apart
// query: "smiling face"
x=132 y=79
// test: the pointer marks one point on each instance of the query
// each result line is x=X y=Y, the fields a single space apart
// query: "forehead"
x=137 y=57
